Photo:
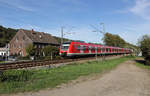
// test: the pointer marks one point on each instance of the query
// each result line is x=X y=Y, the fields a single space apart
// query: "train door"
x=96 y=50
x=101 y=49
x=90 y=49
x=81 y=50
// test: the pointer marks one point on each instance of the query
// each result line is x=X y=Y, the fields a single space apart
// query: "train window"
x=84 y=48
x=64 y=47
x=74 y=45
x=78 y=47
x=93 y=48
x=108 y=49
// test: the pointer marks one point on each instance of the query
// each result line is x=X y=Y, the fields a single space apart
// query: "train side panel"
x=80 y=48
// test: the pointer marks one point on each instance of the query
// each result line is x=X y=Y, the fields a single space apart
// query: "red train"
x=81 y=48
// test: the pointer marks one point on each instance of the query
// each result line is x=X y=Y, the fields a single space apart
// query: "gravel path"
x=125 y=80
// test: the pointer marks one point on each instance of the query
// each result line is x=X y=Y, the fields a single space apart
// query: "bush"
x=18 y=75
x=47 y=58
x=144 y=45
x=24 y=58
x=58 y=57
x=39 y=58
x=50 y=50
x=30 y=50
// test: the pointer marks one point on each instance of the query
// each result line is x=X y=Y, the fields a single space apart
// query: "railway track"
x=20 y=65
x=28 y=64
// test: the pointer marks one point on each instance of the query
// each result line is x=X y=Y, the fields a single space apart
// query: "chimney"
x=32 y=30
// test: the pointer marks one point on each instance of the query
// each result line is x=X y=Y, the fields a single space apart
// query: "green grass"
x=2 y=61
x=142 y=64
x=13 y=81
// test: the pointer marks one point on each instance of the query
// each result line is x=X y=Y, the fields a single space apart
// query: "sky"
x=129 y=19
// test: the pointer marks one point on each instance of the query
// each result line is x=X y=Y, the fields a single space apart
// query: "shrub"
x=144 y=45
x=50 y=51
x=58 y=57
x=24 y=58
x=17 y=75
x=47 y=58
x=30 y=50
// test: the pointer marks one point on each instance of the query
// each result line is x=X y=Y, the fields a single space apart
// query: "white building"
x=140 y=54
x=4 y=51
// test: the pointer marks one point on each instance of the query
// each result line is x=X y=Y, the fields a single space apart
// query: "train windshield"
x=65 y=47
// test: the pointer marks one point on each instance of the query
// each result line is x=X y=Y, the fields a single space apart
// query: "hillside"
x=6 y=34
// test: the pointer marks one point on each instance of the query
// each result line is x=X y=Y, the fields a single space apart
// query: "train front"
x=64 y=49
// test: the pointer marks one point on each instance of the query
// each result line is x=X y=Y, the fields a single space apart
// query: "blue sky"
x=128 y=18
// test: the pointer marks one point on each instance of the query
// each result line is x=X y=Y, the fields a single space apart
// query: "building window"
x=20 y=46
x=16 y=39
x=24 y=38
x=37 y=46
x=14 y=46
x=40 y=36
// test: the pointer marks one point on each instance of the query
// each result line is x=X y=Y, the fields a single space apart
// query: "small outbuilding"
x=4 y=51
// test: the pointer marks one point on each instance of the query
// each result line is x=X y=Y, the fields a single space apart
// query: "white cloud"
x=141 y=8
x=133 y=32
x=16 y=4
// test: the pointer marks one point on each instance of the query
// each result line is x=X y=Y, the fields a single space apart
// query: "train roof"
x=92 y=44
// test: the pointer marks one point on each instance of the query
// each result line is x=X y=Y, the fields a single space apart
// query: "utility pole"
x=62 y=34
x=96 y=53
x=65 y=33
x=103 y=32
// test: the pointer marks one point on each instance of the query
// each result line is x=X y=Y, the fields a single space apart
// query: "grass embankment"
x=141 y=63
x=33 y=80
x=2 y=61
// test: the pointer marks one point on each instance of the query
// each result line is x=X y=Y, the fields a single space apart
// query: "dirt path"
x=125 y=80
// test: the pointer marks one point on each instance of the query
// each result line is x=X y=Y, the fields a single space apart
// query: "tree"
x=144 y=45
x=30 y=50
x=113 y=40
x=49 y=50
x=6 y=34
